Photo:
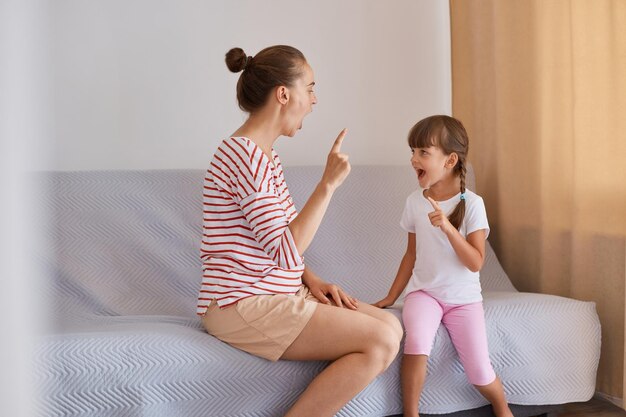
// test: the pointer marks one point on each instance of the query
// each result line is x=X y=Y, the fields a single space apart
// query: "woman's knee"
x=395 y=324
x=384 y=345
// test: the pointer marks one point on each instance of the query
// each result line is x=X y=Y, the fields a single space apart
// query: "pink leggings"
x=465 y=324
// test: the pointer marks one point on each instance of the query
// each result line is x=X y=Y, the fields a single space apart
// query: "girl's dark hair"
x=449 y=135
x=272 y=67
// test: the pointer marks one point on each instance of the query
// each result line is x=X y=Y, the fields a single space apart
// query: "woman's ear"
x=453 y=158
x=282 y=94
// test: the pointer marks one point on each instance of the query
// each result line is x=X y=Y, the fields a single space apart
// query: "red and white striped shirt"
x=247 y=248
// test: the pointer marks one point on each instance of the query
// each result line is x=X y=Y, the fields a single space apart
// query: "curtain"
x=540 y=86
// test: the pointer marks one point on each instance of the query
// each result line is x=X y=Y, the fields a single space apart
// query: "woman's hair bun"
x=270 y=67
x=236 y=59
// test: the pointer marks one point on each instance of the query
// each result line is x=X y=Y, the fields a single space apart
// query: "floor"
x=594 y=408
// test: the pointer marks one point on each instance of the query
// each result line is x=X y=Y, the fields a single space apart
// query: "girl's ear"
x=282 y=94
x=453 y=158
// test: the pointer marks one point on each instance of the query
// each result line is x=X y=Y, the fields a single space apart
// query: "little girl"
x=447 y=227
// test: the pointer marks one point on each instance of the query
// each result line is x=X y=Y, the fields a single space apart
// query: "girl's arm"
x=402 y=276
x=471 y=252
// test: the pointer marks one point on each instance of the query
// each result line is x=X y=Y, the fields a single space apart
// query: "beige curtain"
x=541 y=88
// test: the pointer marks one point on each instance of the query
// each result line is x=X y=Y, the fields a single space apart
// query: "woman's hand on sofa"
x=326 y=292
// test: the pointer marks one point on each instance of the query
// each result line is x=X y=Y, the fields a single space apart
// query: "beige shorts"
x=263 y=325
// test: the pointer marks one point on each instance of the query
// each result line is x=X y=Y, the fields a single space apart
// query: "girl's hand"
x=337 y=165
x=385 y=302
x=438 y=217
x=322 y=290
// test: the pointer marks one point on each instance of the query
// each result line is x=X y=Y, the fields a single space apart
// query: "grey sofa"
x=121 y=271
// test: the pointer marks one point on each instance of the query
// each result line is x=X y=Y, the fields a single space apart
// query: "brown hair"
x=449 y=135
x=272 y=67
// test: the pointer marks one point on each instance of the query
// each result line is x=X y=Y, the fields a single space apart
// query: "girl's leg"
x=361 y=347
x=413 y=375
x=494 y=393
x=421 y=316
x=466 y=326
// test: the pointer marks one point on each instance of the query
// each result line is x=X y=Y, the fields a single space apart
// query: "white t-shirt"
x=438 y=270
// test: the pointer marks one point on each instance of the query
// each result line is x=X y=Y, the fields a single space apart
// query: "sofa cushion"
x=120 y=258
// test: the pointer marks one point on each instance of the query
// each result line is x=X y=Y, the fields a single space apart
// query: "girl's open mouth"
x=420 y=173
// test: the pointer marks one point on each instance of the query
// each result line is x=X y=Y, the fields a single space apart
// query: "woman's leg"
x=381 y=314
x=361 y=347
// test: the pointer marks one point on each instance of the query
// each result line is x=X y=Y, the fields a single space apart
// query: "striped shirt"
x=247 y=248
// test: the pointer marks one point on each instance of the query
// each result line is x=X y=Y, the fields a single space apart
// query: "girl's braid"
x=458 y=214
x=463 y=174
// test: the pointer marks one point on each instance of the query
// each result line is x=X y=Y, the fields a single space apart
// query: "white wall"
x=142 y=84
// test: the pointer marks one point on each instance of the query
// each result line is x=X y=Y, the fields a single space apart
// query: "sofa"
x=121 y=271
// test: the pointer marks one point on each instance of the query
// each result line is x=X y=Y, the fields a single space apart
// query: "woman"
x=257 y=294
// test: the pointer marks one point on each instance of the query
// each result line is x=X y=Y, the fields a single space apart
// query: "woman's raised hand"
x=337 y=165
x=305 y=225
